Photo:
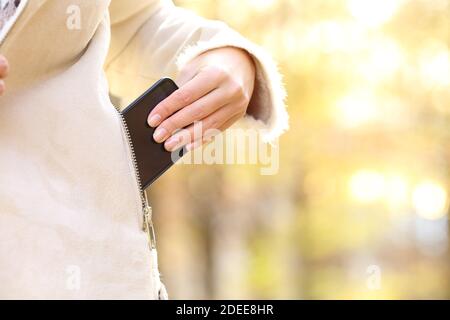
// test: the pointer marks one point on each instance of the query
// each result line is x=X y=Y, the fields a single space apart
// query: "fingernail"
x=173 y=143
x=4 y=66
x=160 y=134
x=154 y=120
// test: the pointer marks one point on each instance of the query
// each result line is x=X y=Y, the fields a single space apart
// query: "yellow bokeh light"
x=435 y=66
x=333 y=35
x=430 y=200
x=373 y=13
x=356 y=109
x=367 y=186
x=262 y=4
x=396 y=192
x=384 y=59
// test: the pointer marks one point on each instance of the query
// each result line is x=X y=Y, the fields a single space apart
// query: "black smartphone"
x=151 y=158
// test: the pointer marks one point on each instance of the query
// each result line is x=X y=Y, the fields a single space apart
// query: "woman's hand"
x=3 y=73
x=215 y=90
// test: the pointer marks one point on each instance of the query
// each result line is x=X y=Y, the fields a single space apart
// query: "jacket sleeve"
x=151 y=39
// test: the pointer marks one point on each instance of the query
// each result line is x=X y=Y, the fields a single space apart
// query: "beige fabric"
x=70 y=214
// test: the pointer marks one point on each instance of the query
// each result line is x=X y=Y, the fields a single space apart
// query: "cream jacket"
x=70 y=208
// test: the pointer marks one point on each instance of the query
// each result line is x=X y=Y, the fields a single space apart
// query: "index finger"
x=200 y=85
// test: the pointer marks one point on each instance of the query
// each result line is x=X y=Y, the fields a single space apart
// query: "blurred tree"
x=369 y=100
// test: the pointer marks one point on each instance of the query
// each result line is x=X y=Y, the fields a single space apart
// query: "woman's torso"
x=70 y=212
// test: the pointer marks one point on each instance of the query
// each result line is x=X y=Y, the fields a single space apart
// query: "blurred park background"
x=360 y=206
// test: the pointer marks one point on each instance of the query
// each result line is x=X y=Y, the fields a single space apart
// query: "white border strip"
x=10 y=23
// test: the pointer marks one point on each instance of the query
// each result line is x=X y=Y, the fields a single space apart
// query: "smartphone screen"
x=151 y=157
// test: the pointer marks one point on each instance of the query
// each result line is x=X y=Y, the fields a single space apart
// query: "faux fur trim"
x=270 y=94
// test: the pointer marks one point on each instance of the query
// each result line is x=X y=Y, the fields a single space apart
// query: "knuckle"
x=213 y=123
x=183 y=96
x=200 y=112
x=184 y=74
x=242 y=98
x=228 y=76
x=169 y=125
x=166 y=110
x=236 y=89
x=163 y=109
x=216 y=74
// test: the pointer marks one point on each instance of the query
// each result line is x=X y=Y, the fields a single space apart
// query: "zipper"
x=147 y=222
x=10 y=23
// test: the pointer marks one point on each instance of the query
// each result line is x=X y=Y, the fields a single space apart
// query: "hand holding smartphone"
x=152 y=159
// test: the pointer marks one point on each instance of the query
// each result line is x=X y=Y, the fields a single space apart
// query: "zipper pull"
x=148 y=227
